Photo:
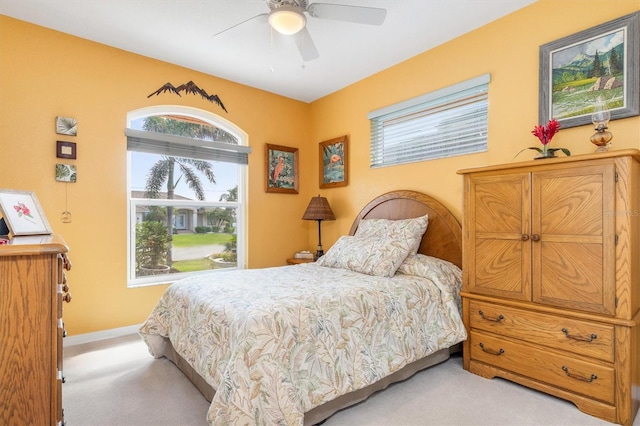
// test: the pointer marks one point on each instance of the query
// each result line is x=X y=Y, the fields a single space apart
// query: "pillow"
x=409 y=230
x=367 y=255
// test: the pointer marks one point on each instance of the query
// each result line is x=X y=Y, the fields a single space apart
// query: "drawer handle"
x=580 y=338
x=67 y=297
x=66 y=262
x=494 y=319
x=491 y=351
x=577 y=377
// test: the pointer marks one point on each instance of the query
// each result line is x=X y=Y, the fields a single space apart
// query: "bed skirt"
x=324 y=411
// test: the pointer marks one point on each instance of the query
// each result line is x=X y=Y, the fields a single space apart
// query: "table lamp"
x=600 y=119
x=319 y=209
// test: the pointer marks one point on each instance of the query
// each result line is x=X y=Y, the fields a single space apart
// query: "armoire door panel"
x=572 y=277
x=574 y=259
x=499 y=271
x=498 y=204
x=501 y=255
x=570 y=205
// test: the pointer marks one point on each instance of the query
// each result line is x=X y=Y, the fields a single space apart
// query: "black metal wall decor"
x=192 y=88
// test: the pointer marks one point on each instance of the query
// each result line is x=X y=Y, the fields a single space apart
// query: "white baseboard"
x=100 y=335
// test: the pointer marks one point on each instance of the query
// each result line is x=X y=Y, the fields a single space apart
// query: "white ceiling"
x=181 y=32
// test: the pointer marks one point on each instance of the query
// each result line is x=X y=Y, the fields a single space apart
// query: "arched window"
x=186 y=192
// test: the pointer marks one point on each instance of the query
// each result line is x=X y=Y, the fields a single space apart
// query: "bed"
x=295 y=344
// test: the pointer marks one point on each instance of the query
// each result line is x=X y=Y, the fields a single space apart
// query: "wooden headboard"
x=443 y=238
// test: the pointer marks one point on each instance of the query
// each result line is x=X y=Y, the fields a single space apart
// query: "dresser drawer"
x=581 y=337
x=563 y=371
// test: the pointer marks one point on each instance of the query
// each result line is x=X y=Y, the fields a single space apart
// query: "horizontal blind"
x=451 y=121
x=180 y=146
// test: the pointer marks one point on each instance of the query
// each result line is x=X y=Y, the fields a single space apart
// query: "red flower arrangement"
x=545 y=134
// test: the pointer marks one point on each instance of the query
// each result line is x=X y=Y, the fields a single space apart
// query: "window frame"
x=240 y=205
x=405 y=117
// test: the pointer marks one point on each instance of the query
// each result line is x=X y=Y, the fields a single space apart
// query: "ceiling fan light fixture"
x=287 y=20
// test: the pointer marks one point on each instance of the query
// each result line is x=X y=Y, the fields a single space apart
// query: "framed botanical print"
x=603 y=61
x=333 y=162
x=281 y=165
x=66 y=126
x=22 y=213
x=66 y=173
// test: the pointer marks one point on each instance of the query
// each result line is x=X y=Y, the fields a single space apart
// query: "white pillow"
x=367 y=255
x=408 y=230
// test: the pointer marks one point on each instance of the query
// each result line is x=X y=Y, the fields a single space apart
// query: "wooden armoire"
x=551 y=270
x=33 y=288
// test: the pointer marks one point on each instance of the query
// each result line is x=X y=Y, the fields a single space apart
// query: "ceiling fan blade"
x=306 y=46
x=339 y=12
x=263 y=17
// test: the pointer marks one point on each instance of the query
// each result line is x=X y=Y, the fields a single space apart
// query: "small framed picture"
x=333 y=162
x=66 y=150
x=66 y=126
x=22 y=213
x=281 y=165
x=66 y=173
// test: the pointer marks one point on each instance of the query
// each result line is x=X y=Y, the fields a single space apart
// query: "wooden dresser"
x=551 y=290
x=32 y=289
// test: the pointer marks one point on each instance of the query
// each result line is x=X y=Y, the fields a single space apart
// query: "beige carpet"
x=117 y=382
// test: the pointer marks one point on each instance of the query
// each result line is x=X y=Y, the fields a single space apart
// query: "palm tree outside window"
x=186 y=210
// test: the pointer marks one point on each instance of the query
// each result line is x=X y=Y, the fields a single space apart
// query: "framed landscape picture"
x=600 y=61
x=333 y=162
x=281 y=165
x=22 y=213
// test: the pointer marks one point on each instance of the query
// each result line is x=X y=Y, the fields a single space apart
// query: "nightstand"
x=294 y=261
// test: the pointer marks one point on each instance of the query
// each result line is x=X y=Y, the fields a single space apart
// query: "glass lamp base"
x=601 y=139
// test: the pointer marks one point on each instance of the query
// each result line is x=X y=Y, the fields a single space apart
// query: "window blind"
x=451 y=121
x=180 y=146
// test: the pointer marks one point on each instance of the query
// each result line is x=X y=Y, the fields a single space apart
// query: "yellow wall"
x=44 y=73
x=508 y=50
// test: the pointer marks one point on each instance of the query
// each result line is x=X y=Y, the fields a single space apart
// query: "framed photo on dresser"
x=22 y=213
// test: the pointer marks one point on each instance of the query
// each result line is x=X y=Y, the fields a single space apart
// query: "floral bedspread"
x=277 y=342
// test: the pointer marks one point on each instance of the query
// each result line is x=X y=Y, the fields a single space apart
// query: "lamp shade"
x=318 y=209
x=287 y=20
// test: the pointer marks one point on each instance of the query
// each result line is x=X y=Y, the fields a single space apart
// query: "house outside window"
x=186 y=194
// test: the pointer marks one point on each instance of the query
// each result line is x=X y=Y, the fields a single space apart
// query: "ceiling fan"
x=288 y=18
